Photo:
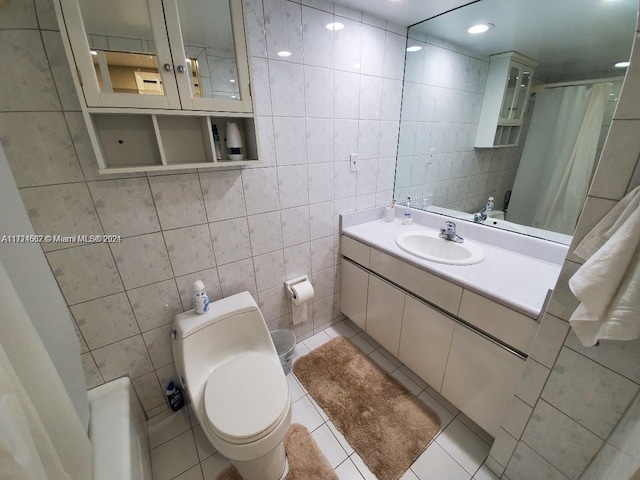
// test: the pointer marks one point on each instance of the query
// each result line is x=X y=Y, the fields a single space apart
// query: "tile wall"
x=241 y=229
x=571 y=401
x=443 y=91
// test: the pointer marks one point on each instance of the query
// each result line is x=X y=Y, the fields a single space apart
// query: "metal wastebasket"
x=285 y=342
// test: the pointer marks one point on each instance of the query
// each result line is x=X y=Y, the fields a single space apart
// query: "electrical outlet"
x=353 y=159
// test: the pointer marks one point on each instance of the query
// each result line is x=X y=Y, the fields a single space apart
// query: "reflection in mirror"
x=554 y=134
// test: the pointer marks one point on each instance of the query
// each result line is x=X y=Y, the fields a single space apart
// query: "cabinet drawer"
x=425 y=340
x=423 y=284
x=480 y=378
x=353 y=300
x=384 y=314
x=356 y=251
x=509 y=326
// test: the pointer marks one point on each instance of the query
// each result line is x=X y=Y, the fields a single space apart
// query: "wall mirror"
x=539 y=174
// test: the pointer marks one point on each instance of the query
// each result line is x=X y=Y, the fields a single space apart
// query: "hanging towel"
x=608 y=284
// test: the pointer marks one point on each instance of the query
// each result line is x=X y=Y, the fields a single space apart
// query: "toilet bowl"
x=231 y=373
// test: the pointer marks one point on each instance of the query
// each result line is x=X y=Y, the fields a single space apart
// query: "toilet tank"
x=231 y=327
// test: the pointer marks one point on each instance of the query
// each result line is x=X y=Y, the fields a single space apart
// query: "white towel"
x=608 y=284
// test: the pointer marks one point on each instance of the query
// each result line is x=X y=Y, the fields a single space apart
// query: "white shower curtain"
x=41 y=436
x=558 y=157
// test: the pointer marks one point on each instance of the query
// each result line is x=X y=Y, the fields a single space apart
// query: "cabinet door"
x=384 y=314
x=425 y=341
x=121 y=50
x=354 y=283
x=209 y=53
x=480 y=378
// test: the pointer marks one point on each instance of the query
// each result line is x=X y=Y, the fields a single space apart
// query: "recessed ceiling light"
x=621 y=65
x=232 y=80
x=414 y=48
x=93 y=52
x=284 y=53
x=480 y=28
x=335 y=26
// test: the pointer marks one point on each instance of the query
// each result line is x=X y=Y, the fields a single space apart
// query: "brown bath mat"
x=387 y=425
x=306 y=461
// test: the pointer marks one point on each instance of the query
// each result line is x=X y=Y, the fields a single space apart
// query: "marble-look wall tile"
x=72 y=214
x=286 y=81
x=28 y=83
x=526 y=464
x=85 y=273
x=592 y=395
x=231 y=241
x=178 y=200
x=321 y=181
x=293 y=186
x=317 y=40
x=295 y=225
x=297 y=260
x=60 y=70
x=274 y=303
x=503 y=447
x=319 y=92
x=43 y=157
x=142 y=260
x=158 y=342
x=105 y=320
x=534 y=376
x=283 y=25
x=265 y=233
x=149 y=391
x=323 y=253
x=127 y=357
x=190 y=249
x=254 y=17
x=320 y=140
x=92 y=375
x=573 y=446
x=155 y=305
x=125 y=207
x=260 y=190
x=237 y=277
x=549 y=340
x=223 y=196
x=269 y=270
x=348 y=46
x=321 y=220
x=289 y=138
x=517 y=418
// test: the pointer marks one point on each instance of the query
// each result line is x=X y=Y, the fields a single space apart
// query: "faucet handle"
x=450 y=225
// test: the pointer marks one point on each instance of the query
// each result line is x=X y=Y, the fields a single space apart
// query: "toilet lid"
x=245 y=397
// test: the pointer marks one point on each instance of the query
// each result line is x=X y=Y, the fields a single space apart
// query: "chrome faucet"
x=480 y=216
x=448 y=232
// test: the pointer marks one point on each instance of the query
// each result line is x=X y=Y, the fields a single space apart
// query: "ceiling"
x=569 y=38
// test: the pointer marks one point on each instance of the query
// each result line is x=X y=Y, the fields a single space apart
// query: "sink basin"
x=430 y=246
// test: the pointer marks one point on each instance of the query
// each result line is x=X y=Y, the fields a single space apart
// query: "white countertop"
x=515 y=280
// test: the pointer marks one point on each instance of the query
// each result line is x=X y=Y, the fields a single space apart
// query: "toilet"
x=230 y=370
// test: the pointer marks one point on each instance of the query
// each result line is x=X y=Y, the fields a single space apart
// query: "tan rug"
x=388 y=426
x=306 y=461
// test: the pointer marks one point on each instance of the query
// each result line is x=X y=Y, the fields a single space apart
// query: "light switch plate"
x=353 y=159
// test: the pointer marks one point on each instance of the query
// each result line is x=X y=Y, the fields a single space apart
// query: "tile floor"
x=180 y=450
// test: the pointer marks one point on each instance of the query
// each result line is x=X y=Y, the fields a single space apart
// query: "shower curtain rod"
x=582 y=82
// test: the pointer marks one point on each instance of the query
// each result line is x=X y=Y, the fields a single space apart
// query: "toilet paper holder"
x=294 y=281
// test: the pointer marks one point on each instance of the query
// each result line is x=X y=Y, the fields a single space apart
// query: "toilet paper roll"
x=302 y=293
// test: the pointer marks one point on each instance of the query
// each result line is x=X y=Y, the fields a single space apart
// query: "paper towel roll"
x=302 y=293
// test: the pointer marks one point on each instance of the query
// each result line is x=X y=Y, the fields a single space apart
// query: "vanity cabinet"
x=462 y=344
x=160 y=80
x=505 y=100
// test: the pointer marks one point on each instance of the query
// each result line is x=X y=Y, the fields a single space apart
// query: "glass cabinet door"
x=519 y=106
x=506 y=111
x=122 y=53
x=209 y=53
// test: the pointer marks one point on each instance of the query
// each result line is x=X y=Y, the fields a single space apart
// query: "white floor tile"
x=324 y=416
x=353 y=326
x=299 y=350
x=174 y=457
x=390 y=357
x=167 y=425
x=340 y=329
x=464 y=446
x=296 y=391
x=370 y=340
x=348 y=471
x=435 y=463
x=343 y=441
x=362 y=468
x=362 y=344
x=203 y=445
x=305 y=414
x=445 y=415
x=194 y=473
x=382 y=361
x=475 y=428
x=443 y=401
x=329 y=446
x=484 y=474
x=414 y=377
x=410 y=385
x=409 y=475
x=213 y=466
x=316 y=340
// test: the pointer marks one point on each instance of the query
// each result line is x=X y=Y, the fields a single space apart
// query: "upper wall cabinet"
x=164 y=54
x=505 y=100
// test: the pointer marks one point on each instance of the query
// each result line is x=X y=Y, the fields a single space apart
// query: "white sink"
x=430 y=246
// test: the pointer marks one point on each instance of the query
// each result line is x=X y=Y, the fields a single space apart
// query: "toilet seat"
x=246 y=398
